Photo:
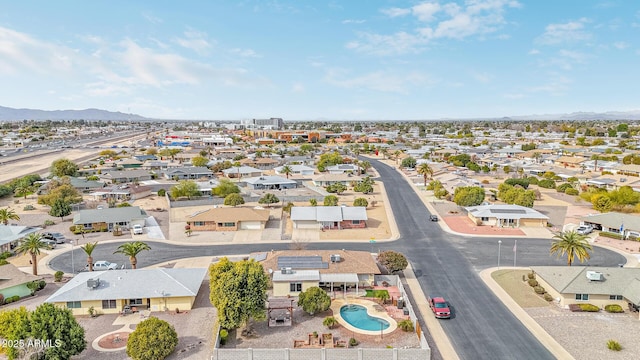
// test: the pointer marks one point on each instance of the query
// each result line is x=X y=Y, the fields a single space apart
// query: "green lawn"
x=375 y=293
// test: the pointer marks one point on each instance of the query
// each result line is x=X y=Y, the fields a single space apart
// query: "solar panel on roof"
x=507 y=211
x=302 y=262
x=260 y=256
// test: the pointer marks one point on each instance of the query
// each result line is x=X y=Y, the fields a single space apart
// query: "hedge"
x=589 y=307
x=613 y=308
x=611 y=235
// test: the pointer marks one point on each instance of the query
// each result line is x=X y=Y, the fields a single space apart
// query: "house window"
x=615 y=297
x=74 y=305
x=355 y=222
x=295 y=287
x=108 y=304
x=135 y=301
x=582 y=297
x=198 y=223
x=227 y=224
x=484 y=218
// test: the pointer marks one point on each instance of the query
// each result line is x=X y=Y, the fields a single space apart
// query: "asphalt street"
x=447 y=265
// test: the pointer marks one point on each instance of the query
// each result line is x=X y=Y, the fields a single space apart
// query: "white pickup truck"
x=137 y=229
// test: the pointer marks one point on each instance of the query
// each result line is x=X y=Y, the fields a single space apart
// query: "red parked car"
x=440 y=307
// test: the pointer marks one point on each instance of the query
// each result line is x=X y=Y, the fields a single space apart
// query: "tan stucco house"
x=108 y=292
x=229 y=219
x=506 y=216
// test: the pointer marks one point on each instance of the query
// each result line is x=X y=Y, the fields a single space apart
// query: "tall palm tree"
x=426 y=171
x=132 y=249
x=32 y=244
x=7 y=214
x=286 y=170
x=396 y=155
x=88 y=249
x=573 y=244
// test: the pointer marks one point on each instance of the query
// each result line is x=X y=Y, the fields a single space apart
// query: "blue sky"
x=334 y=60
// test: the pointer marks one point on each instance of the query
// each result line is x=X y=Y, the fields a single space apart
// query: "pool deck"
x=336 y=304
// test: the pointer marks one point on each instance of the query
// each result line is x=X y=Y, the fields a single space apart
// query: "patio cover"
x=339 y=278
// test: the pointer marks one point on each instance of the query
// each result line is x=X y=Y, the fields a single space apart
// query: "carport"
x=340 y=279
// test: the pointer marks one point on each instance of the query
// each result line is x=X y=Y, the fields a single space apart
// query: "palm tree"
x=595 y=157
x=132 y=249
x=7 y=214
x=396 y=155
x=365 y=166
x=426 y=171
x=286 y=170
x=573 y=244
x=88 y=249
x=32 y=244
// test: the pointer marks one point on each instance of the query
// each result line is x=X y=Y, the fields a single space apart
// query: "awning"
x=339 y=278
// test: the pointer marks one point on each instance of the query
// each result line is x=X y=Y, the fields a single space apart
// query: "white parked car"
x=584 y=229
x=103 y=265
x=137 y=229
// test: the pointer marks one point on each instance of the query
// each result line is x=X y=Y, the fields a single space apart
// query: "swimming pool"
x=356 y=316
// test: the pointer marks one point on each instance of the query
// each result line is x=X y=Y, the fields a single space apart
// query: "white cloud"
x=534 y=52
x=245 y=53
x=448 y=20
x=557 y=86
x=353 y=21
x=513 y=96
x=383 y=81
x=297 y=88
x=620 y=45
x=482 y=77
x=194 y=40
x=151 y=18
x=572 y=31
x=395 y=12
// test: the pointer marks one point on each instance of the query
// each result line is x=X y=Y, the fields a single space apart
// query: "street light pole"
x=73 y=265
x=499 y=243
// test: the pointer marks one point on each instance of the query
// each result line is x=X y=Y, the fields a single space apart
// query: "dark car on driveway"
x=440 y=307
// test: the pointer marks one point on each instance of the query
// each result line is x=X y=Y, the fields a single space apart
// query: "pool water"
x=357 y=316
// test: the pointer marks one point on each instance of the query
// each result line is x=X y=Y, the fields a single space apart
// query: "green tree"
x=393 y=261
x=233 y=200
x=60 y=189
x=336 y=188
x=360 y=202
x=426 y=171
x=185 y=188
x=314 y=300
x=269 y=199
x=32 y=244
x=226 y=187
x=573 y=245
x=7 y=214
x=602 y=203
x=199 y=161
x=313 y=202
x=468 y=196
x=330 y=321
x=60 y=209
x=63 y=167
x=329 y=159
x=22 y=190
x=286 y=170
x=132 y=249
x=49 y=322
x=330 y=200
x=14 y=325
x=364 y=186
x=153 y=339
x=238 y=291
x=409 y=162
x=88 y=249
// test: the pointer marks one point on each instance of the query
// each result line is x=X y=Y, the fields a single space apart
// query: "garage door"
x=250 y=225
x=304 y=224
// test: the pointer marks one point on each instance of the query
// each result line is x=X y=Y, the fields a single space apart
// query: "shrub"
x=572 y=192
x=547 y=184
x=41 y=284
x=28 y=207
x=353 y=342
x=3 y=262
x=589 y=307
x=49 y=222
x=564 y=187
x=533 y=282
x=224 y=334
x=152 y=339
x=329 y=322
x=548 y=297
x=11 y=299
x=539 y=290
x=614 y=345
x=5 y=255
x=531 y=275
x=613 y=308
x=57 y=277
x=406 y=325
x=610 y=235
x=162 y=192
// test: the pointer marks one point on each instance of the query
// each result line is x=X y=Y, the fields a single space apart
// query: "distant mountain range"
x=609 y=115
x=11 y=114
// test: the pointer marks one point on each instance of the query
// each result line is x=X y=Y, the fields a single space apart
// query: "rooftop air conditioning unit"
x=93 y=283
x=595 y=276
x=286 y=270
x=335 y=258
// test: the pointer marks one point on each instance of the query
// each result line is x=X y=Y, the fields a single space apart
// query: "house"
x=599 y=286
x=294 y=271
x=342 y=168
x=84 y=185
x=123 y=217
x=506 y=215
x=188 y=172
x=270 y=183
x=241 y=171
x=108 y=292
x=329 y=217
x=129 y=163
x=330 y=179
x=228 y=219
x=144 y=158
x=260 y=163
x=13 y=281
x=296 y=170
x=614 y=222
x=128 y=176
x=10 y=235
